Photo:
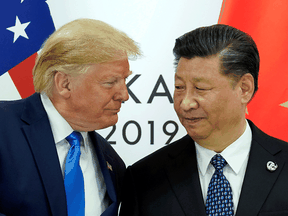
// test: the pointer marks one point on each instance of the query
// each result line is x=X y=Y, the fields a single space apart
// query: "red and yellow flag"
x=267 y=22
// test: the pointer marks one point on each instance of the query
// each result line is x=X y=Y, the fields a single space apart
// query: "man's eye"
x=203 y=89
x=179 y=87
x=199 y=88
x=110 y=83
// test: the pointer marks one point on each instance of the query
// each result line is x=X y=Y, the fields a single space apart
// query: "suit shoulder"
x=10 y=112
x=277 y=142
x=270 y=143
x=8 y=106
x=163 y=154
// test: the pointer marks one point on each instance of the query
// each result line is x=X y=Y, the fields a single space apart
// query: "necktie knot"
x=74 y=138
x=218 y=162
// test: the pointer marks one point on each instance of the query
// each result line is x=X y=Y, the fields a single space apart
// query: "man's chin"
x=196 y=135
x=110 y=122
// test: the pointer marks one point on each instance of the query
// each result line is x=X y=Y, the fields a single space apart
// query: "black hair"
x=237 y=51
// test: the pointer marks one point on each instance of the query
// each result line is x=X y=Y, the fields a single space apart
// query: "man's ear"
x=247 y=87
x=62 y=84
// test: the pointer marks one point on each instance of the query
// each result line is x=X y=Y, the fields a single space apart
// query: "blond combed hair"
x=77 y=44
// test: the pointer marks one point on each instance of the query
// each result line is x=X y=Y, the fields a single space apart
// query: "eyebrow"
x=177 y=77
x=197 y=79
x=116 y=76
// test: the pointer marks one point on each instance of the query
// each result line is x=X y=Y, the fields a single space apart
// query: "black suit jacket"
x=167 y=181
x=31 y=181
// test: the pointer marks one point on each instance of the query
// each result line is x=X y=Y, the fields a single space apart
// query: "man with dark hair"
x=225 y=165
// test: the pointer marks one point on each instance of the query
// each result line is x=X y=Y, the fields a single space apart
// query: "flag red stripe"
x=22 y=77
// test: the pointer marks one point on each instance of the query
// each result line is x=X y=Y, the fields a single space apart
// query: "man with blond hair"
x=52 y=162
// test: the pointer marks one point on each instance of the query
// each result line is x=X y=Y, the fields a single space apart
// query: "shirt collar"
x=235 y=154
x=60 y=127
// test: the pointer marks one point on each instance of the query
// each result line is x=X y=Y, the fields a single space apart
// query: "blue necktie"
x=73 y=180
x=219 y=197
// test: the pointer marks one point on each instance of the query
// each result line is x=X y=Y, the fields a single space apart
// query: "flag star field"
x=24 y=26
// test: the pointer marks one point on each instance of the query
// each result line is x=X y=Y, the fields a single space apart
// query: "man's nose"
x=122 y=93
x=189 y=102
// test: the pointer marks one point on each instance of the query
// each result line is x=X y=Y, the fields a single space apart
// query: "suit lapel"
x=258 y=181
x=183 y=176
x=106 y=162
x=40 y=139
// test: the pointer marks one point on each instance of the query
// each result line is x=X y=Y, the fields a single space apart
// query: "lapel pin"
x=109 y=166
x=271 y=166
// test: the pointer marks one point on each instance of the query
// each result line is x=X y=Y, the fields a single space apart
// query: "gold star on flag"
x=284 y=104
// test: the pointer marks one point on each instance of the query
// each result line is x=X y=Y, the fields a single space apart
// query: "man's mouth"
x=193 y=119
x=113 y=110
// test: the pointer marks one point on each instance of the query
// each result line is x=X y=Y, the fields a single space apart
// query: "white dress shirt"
x=94 y=184
x=236 y=156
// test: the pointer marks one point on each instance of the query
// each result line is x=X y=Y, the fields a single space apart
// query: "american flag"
x=24 y=26
x=267 y=23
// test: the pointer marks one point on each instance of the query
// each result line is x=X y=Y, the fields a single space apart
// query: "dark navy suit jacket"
x=31 y=181
x=167 y=181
